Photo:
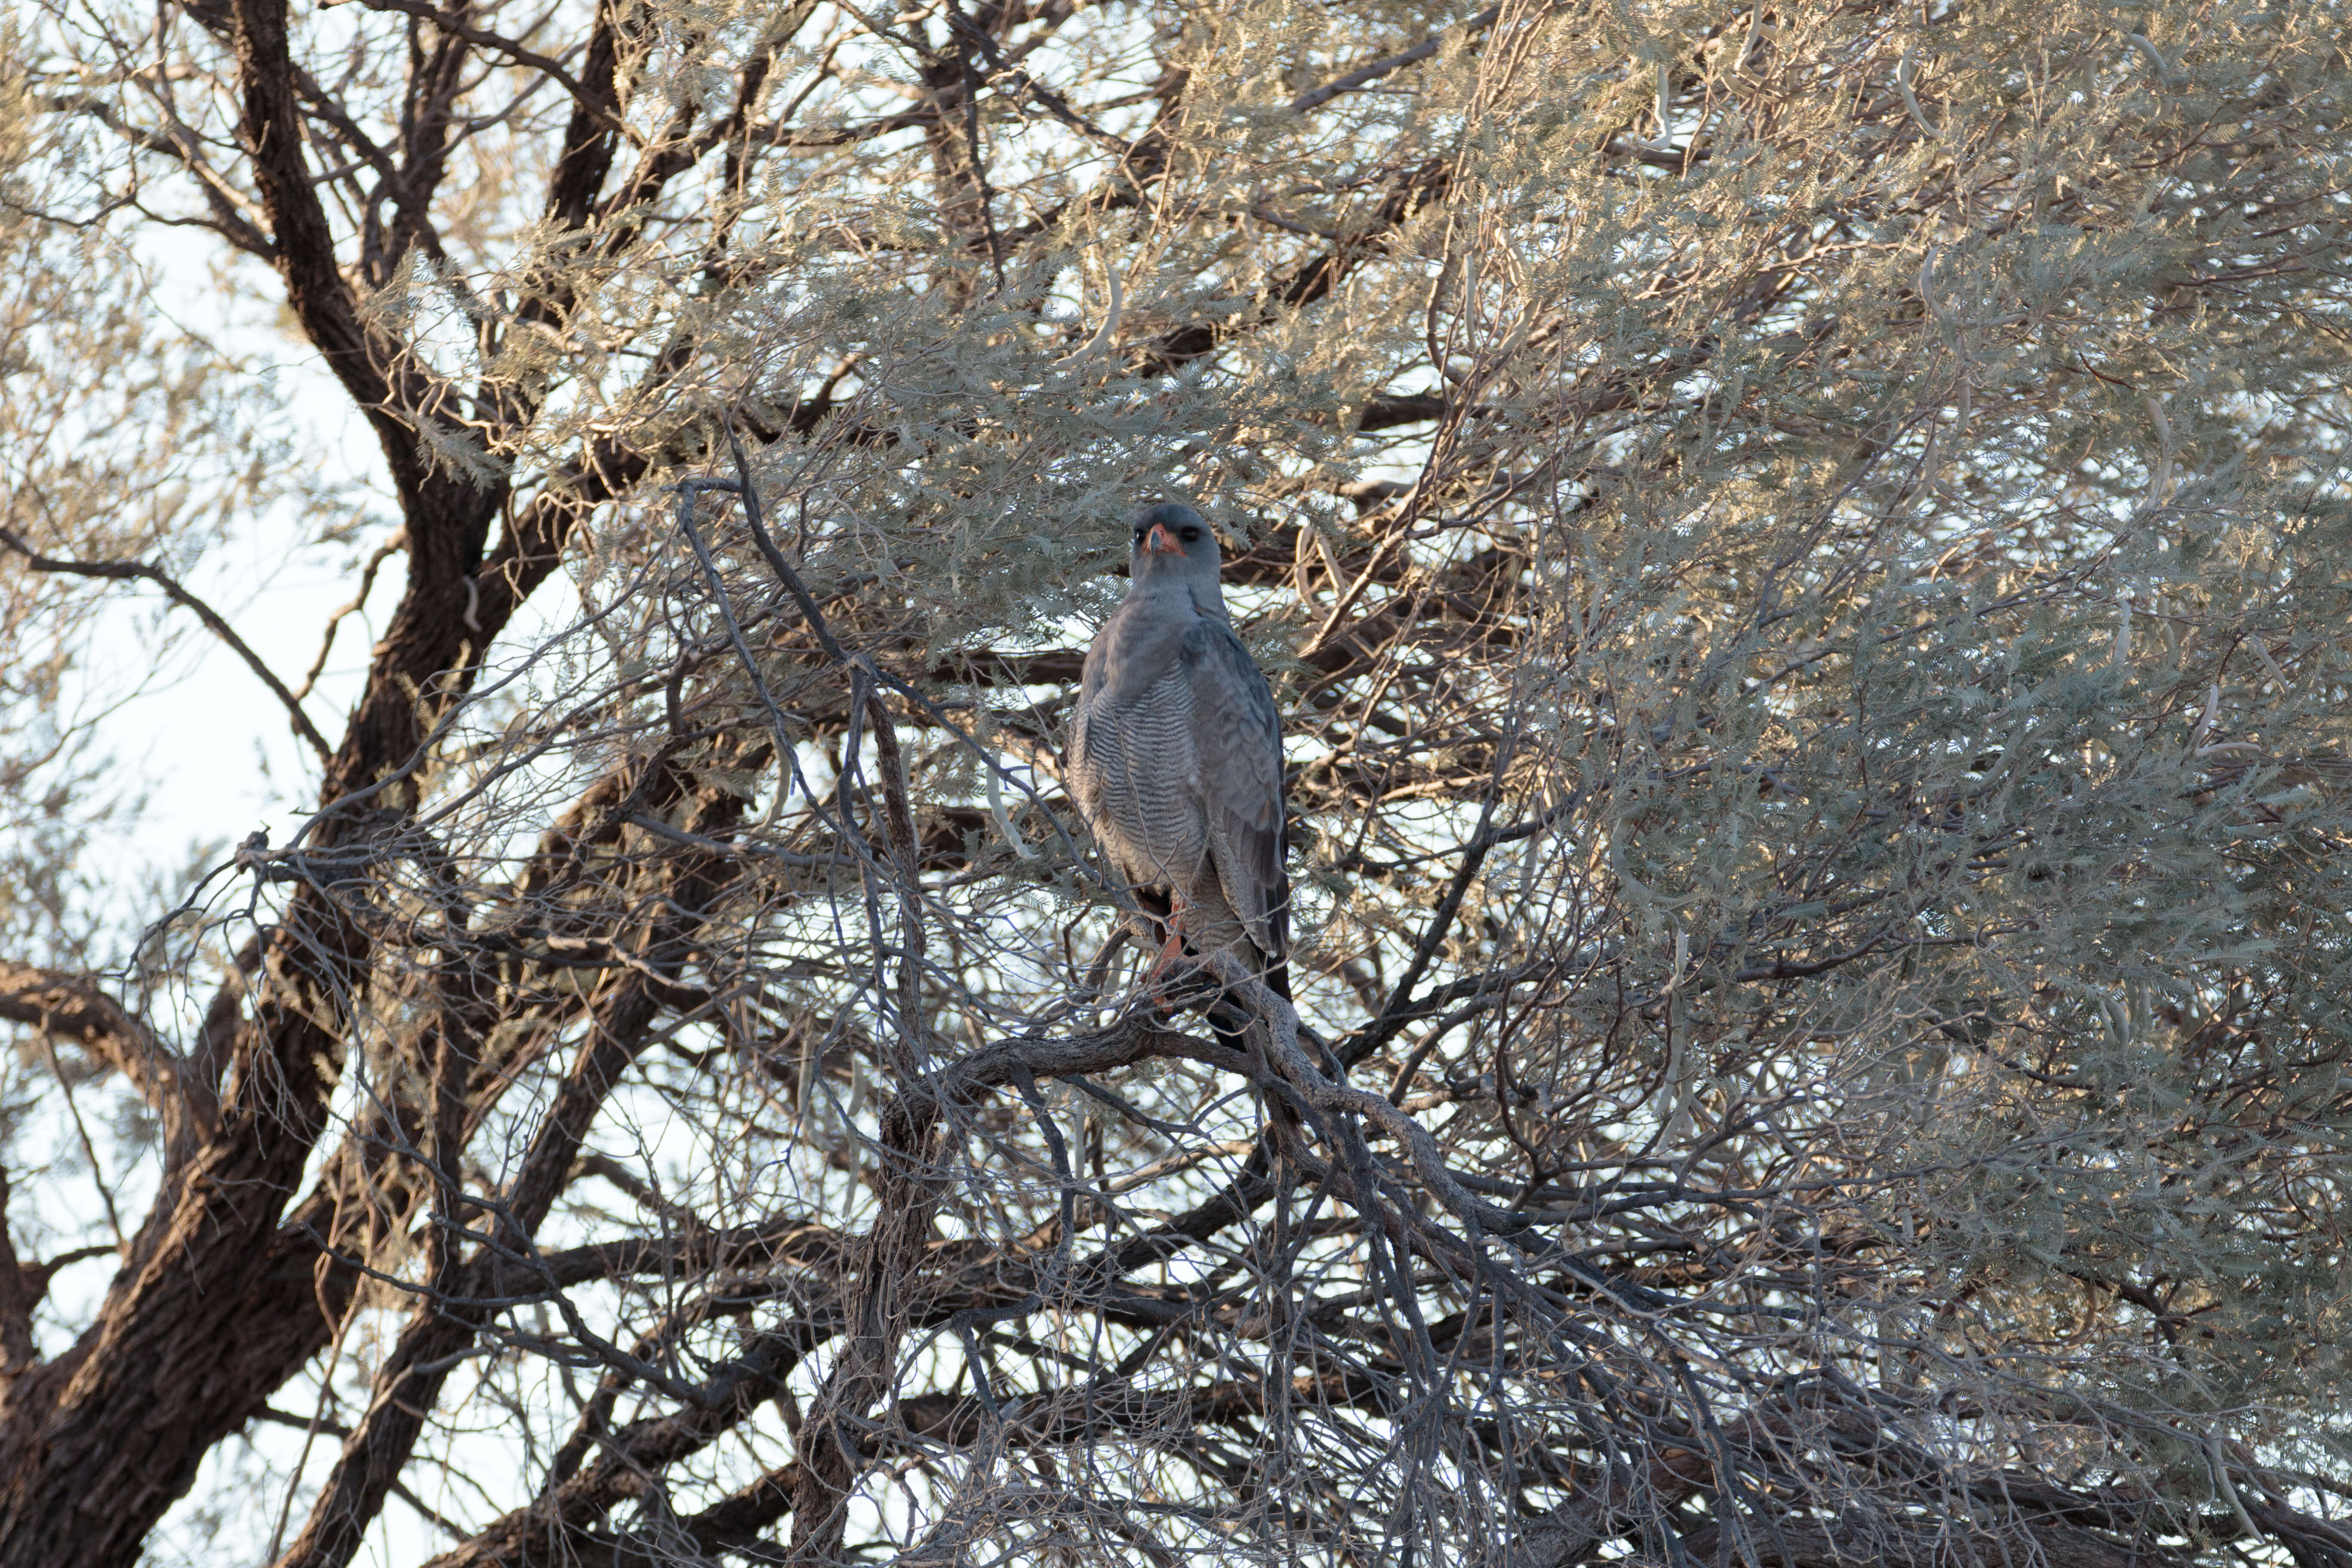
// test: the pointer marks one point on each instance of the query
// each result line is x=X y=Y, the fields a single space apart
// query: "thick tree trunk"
x=219 y=1305
x=97 y=1444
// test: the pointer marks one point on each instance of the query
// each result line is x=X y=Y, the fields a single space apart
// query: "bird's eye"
x=1192 y=536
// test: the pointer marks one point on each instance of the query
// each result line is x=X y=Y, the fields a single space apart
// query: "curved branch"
x=1362 y=75
x=600 y=108
x=139 y=571
x=72 y=1006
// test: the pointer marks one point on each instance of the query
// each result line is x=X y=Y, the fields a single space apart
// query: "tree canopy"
x=1805 y=553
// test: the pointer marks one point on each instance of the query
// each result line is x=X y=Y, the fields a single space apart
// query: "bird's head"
x=1173 y=545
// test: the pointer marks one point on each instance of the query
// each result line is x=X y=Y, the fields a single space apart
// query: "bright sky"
x=212 y=745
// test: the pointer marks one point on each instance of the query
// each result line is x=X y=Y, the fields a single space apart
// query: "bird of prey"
x=1175 y=757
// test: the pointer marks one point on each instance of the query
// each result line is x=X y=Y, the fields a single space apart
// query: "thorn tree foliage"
x=1805 y=553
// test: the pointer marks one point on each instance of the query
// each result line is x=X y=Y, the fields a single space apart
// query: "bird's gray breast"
x=1144 y=766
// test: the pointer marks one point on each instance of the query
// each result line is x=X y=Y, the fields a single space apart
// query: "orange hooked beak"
x=1159 y=541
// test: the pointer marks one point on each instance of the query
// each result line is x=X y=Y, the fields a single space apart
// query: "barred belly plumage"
x=1159 y=833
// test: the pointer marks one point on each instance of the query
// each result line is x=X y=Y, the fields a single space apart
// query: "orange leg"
x=1171 y=952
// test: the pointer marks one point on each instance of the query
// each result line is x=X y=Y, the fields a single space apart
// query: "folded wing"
x=1238 y=736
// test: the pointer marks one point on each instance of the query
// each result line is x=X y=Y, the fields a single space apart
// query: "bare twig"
x=140 y=571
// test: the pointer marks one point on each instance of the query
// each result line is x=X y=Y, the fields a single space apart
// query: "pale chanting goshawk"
x=1176 y=756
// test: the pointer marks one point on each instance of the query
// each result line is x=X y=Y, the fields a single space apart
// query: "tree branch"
x=139 y=571
x=456 y=25
x=1362 y=75
x=73 y=1008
